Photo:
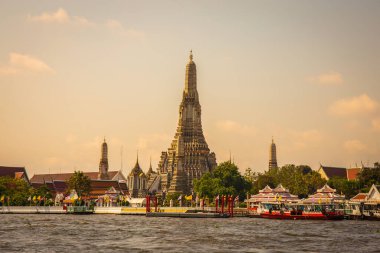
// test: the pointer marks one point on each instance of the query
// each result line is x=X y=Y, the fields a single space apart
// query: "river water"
x=122 y=233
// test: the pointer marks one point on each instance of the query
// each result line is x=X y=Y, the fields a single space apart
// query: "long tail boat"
x=300 y=211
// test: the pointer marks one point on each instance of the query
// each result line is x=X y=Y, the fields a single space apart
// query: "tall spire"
x=103 y=164
x=272 y=155
x=188 y=157
x=191 y=78
x=137 y=159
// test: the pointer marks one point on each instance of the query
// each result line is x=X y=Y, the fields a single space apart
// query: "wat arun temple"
x=188 y=156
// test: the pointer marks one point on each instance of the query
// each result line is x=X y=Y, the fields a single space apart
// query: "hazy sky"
x=72 y=72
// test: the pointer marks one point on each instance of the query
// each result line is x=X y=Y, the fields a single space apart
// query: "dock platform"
x=188 y=215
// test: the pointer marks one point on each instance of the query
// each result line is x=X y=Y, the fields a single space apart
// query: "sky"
x=74 y=72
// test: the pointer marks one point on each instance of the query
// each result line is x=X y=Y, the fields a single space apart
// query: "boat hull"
x=287 y=216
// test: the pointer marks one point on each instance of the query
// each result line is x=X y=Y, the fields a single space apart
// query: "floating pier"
x=188 y=215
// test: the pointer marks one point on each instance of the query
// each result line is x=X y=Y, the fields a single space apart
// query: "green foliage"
x=42 y=191
x=224 y=180
x=344 y=186
x=16 y=190
x=80 y=183
x=369 y=176
x=174 y=197
x=300 y=180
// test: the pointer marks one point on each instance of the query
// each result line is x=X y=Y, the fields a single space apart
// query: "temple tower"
x=137 y=181
x=103 y=164
x=272 y=155
x=188 y=157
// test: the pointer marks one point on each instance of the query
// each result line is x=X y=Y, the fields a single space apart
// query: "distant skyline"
x=74 y=72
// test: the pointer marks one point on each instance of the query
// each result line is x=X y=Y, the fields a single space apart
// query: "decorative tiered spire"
x=188 y=156
x=272 y=155
x=103 y=164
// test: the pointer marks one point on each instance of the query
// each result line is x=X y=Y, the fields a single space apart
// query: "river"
x=122 y=233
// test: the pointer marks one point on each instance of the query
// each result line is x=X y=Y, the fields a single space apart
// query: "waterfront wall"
x=98 y=210
x=32 y=209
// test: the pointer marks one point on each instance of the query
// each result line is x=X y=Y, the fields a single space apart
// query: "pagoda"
x=188 y=156
x=272 y=155
x=103 y=164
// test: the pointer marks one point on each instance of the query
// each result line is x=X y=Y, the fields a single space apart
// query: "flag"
x=180 y=197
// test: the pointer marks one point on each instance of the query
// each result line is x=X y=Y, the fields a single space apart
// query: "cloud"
x=61 y=16
x=21 y=63
x=305 y=138
x=230 y=126
x=359 y=105
x=117 y=27
x=153 y=141
x=376 y=124
x=354 y=146
x=327 y=79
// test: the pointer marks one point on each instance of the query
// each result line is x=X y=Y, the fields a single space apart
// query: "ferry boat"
x=300 y=211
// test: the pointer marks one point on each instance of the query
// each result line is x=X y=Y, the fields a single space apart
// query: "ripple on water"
x=117 y=233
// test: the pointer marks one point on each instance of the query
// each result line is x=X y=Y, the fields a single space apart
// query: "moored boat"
x=301 y=211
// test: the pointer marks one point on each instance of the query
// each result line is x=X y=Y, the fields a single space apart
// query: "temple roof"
x=352 y=173
x=280 y=188
x=66 y=176
x=137 y=170
x=326 y=189
x=334 y=171
x=14 y=172
x=266 y=189
x=359 y=197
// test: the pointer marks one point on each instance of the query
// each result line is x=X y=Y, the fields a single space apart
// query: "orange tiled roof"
x=352 y=173
x=359 y=197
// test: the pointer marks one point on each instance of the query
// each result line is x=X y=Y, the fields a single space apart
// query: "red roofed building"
x=360 y=197
x=14 y=172
x=279 y=193
x=324 y=195
x=41 y=178
x=330 y=172
x=352 y=173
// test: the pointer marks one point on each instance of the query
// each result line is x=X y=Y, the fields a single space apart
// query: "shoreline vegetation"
x=225 y=179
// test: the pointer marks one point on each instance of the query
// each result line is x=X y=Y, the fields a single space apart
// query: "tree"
x=344 y=186
x=300 y=180
x=15 y=191
x=80 y=183
x=369 y=176
x=225 y=179
x=44 y=192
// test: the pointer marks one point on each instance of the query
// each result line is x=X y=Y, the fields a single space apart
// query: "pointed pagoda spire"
x=272 y=155
x=150 y=170
x=191 y=77
x=103 y=164
x=137 y=159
